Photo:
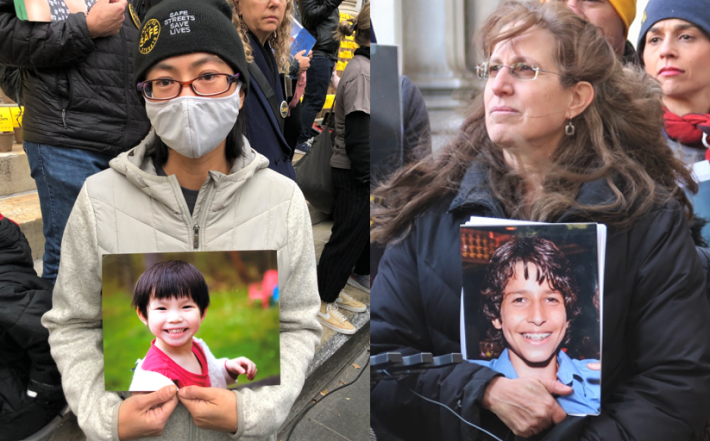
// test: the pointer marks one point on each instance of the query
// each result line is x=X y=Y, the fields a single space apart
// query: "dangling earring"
x=569 y=128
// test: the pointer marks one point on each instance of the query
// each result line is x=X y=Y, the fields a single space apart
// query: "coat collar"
x=138 y=169
x=475 y=191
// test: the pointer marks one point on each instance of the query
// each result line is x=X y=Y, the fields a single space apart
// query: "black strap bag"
x=313 y=174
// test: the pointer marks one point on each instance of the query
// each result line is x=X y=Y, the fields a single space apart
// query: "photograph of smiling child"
x=171 y=299
x=529 y=297
x=208 y=318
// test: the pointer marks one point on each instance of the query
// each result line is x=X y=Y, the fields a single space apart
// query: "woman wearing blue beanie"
x=674 y=45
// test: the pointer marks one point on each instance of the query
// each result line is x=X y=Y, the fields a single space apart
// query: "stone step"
x=24 y=209
x=15 y=172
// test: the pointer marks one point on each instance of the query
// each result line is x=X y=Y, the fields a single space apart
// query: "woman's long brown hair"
x=618 y=138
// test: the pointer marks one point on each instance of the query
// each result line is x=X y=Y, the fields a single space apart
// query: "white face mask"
x=194 y=125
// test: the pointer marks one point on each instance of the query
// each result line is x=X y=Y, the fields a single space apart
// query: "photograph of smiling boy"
x=204 y=319
x=533 y=318
x=171 y=299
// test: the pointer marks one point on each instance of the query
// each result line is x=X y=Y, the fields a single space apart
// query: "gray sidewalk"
x=342 y=415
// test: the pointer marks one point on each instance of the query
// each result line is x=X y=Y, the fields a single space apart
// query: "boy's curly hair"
x=552 y=266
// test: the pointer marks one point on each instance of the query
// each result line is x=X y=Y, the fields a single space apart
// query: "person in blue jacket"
x=529 y=294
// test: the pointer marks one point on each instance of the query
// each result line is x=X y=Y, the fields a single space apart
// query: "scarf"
x=687 y=129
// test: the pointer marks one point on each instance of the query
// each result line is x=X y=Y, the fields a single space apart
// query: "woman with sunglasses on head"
x=563 y=133
x=265 y=27
x=194 y=184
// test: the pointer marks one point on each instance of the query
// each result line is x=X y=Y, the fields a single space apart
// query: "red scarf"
x=687 y=129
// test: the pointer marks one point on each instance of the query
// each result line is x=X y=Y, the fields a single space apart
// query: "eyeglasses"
x=163 y=89
x=519 y=71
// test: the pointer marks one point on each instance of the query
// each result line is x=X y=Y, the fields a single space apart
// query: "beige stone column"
x=439 y=56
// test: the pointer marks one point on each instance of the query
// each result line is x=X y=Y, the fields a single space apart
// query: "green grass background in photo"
x=233 y=327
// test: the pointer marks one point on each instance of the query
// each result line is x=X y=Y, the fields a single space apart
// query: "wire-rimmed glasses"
x=162 y=89
x=520 y=71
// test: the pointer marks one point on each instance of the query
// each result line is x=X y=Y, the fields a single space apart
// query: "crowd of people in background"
x=129 y=124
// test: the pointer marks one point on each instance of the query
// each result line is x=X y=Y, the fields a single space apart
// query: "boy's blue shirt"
x=586 y=397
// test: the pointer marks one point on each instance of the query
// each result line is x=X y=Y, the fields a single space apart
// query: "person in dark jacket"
x=553 y=160
x=346 y=256
x=320 y=19
x=265 y=29
x=30 y=384
x=80 y=105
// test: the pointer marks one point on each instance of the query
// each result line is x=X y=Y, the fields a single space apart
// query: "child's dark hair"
x=553 y=268
x=171 y=279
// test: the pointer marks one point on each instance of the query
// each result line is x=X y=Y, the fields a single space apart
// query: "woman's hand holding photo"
x=211 y=408
x=145 y=414
x=526 y=405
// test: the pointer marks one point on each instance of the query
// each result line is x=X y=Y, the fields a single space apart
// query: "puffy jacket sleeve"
x=24 y=298
x=74 y=324
x=21 y=308
x=667 y=395
x=398 y=325
x=261 y=411
x=314 y=12
x=42 y=45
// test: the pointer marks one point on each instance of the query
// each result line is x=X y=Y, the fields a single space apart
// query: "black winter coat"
x=25 y=360
x=263 y=130
x=77 y=91
x=321 y=18
x=656 y=351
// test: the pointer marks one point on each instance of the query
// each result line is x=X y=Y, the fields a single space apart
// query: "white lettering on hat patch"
x=179 y=22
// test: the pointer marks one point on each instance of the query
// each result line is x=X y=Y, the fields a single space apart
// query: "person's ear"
x=241 y=98
x=497 y=323
x=141 y=316
x=582 y=97
x=204 y=313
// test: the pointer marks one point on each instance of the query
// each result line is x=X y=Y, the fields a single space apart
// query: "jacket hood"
x=139 y=170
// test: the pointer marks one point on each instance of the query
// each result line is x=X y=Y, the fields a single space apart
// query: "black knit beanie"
x=179 y=27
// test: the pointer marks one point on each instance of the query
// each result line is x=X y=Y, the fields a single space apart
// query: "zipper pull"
x=196 y=240
x=64 y=117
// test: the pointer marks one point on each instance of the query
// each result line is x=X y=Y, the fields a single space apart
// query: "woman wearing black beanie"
x=193 y=184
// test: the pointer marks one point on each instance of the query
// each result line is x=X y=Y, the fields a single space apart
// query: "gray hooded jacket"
x=129 y=209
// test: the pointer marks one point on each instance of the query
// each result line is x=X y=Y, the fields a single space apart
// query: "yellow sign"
x=16 y=116
x=329 y=101
x=149 y=36
x=5 y=119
